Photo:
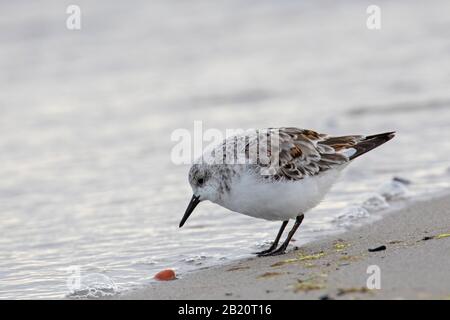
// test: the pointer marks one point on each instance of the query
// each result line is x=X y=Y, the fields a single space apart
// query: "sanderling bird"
x=303 y=166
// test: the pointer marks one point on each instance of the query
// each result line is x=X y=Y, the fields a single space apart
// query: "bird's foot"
x=279 y=251
x=264 y=252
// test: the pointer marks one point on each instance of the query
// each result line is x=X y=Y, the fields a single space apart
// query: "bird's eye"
x=200 y=181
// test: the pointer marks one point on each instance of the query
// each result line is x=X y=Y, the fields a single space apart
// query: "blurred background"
x=86 y=116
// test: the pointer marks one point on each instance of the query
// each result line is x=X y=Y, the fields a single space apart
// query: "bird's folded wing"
x=307 y=153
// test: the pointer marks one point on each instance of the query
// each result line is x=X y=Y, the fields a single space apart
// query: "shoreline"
x=413 y=265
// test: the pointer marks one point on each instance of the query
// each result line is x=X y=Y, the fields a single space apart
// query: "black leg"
x=277 y=239
x=282 y=248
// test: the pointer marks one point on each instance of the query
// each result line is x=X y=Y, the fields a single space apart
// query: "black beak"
x=194 y=202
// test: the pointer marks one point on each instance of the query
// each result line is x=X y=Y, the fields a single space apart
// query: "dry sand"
x=414 y=265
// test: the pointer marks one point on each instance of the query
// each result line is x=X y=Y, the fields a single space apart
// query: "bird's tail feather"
x=371 y=142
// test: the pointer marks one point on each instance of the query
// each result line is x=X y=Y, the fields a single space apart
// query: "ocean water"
x=86 y=177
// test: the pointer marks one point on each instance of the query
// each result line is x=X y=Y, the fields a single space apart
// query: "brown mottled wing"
x=307 y=153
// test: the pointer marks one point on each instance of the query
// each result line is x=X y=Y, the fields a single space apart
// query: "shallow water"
x=86 y=177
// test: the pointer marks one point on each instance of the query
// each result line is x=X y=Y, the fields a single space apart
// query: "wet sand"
x=415 y=264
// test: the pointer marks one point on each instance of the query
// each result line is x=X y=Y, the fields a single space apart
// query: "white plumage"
x=277 y=200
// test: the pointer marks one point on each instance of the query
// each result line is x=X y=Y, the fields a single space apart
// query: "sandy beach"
x=415 y=264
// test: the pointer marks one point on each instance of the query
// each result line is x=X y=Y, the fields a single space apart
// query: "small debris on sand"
x=316 y=282
x=301 y=257
x=313 y=256
x=238 y=268
x=165 y=275
x=343 y=291
x=439 y=236
x=269 y=275
x=349 y=258
x=340 y=245
x=380 y=248
x=283 y=262
x=305 y=286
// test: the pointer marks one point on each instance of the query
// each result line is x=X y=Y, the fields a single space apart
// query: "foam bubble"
x=394 y=190
x=375 y=202
x=94 y=286
x=195 y=259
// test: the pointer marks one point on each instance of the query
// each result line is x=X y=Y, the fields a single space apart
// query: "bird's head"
x=204 y=187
